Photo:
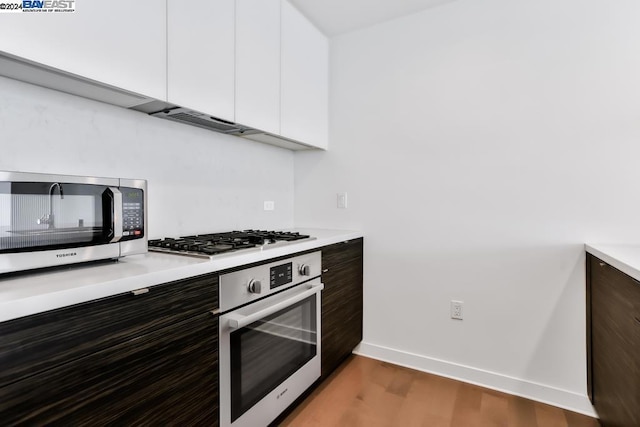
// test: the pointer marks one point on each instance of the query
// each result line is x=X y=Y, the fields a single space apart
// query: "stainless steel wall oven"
x=269 y=338
x=48 y=220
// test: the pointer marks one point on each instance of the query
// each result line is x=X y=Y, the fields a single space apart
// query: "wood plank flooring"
x=369 y=393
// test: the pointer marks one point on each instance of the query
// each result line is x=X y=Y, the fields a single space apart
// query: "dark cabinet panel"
x=341 y=253
x=36 y=343
x=166 y=377
x=615 y=344
x=341 y=302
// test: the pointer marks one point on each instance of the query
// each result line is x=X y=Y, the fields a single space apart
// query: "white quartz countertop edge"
x=32 y=293
x=625 y=258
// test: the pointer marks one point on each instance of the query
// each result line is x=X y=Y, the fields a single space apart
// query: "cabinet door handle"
x=215 y=312
x=602 y=264
x=325 y=270
x=140 y=291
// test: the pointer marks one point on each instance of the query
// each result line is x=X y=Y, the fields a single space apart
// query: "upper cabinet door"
x=119 y=42
x=305 y=80
x=258 y=64
x=201 y=52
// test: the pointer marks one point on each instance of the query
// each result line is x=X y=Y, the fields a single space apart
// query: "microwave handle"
x=237 y=321
x=116 y=209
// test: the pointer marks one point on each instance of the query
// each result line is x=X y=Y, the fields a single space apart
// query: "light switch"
x=342 y=200
x=269 y=205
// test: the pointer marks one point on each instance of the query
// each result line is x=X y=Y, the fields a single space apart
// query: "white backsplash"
x=198 y=180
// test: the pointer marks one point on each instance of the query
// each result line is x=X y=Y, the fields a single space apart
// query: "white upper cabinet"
x=258 y=64
x=304 y=104
x=201 y=52
x=120 y=42
x=282 y=72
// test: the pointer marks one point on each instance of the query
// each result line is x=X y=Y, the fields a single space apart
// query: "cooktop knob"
x=304 y=270
x=254 y=287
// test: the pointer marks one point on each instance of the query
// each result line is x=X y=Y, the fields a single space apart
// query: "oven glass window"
x=53 y=215
x=268 y=351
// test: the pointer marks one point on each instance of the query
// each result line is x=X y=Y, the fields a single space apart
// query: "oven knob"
x=255 y=287
x=305 y=270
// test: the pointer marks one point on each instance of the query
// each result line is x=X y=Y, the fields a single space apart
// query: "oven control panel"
x=243 y=286
x=280 y=275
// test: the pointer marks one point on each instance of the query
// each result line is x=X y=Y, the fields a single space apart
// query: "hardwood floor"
x=367 y=392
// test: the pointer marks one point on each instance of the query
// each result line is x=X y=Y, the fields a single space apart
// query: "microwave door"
x=38 y=216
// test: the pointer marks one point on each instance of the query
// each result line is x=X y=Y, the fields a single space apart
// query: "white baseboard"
x=539 y=392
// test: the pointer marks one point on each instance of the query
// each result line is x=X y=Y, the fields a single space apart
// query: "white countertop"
x=625 y=258
x=32 y=293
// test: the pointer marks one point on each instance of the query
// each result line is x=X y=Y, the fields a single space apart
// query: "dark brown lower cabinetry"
x=137 y=358
x=341 y=302
x=150 y=358
x=613 y=336
x=33 y=344
x=167 y=377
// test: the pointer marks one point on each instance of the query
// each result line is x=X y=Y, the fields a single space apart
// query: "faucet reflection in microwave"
x=49 y=218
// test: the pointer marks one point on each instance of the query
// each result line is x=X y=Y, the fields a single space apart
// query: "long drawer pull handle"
x=140 y=291
x=215 y=312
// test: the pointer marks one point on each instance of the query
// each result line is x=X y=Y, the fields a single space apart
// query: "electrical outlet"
x=456 y=309
x=269 y=205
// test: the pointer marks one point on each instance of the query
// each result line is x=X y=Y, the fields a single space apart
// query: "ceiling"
x=335 y=17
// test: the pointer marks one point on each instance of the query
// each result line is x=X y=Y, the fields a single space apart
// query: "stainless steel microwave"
x=49 y=220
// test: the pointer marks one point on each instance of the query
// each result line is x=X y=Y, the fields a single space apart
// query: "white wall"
x=198 y=180
x=481 y=144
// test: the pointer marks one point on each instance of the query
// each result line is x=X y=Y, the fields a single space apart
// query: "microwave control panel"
x=132 y=213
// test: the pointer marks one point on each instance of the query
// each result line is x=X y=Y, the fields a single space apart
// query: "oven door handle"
x=237 y=321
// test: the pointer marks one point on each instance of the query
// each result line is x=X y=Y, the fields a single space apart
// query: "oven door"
x=269 y=355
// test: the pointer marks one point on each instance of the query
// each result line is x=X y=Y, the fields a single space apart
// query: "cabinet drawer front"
x=32 y=344
x=167 y=377
x=618 y=285
x=340 y=253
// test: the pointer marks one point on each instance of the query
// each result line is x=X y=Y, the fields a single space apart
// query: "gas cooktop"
x=207 y=245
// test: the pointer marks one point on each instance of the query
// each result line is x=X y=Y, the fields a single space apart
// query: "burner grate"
x=217 y=243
